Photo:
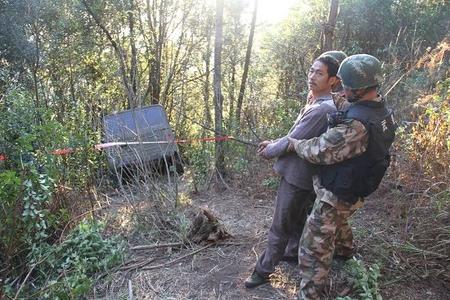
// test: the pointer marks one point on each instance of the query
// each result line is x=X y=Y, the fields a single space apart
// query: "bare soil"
x=245 y=209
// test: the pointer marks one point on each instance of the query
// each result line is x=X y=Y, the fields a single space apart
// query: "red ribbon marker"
x=63 y=152
x=67 y=151
x=209 y=139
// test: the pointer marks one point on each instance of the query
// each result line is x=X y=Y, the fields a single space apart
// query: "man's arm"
x=346 y=140
x=311 y=124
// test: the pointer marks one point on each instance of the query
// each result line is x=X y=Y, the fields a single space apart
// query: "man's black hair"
x=331 y=63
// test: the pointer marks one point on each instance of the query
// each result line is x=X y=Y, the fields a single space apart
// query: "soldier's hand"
x=292 y=142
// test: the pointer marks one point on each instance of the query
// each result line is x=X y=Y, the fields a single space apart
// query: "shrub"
x=65 y=271
x=201 y=160
x=365 y=280
x=31 y=217
x=430 y=136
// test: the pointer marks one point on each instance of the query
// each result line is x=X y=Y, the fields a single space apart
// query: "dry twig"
x=148 y=247
x=177 y=259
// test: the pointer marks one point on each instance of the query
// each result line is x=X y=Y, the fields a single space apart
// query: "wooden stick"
x=177 y=259
x=25 y=280
x=147 y=247
x=138 y=265
x=130 y=290
x=28 y=275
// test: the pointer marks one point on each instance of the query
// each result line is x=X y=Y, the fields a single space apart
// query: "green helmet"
x=360 y=71
x=339 y=56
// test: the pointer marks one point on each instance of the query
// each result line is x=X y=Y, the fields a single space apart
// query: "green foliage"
x=65 y=271
x=201 y=160
x=77 y=78
x=397 y=32
x=10 y=220
x=37 y=192
x=26 y=187
x=26 y=137
x=271 y=182
x=239 y=161
x=240 y=164
x=365 y=280
x=443 y=201
x=30 y=217
x=284 y=117
x=429 y=139
x=15 y=46
x=79 y=168
x=379 y=27
x=9 y=189
x=31 y=134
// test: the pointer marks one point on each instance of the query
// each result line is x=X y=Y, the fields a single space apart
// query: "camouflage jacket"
x=346 y=140
x=340 y=101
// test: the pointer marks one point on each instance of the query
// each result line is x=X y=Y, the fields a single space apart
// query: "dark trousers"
x=291 y=210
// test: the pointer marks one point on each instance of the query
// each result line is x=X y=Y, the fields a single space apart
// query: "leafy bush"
x=65 y=271
x=271 y=182
x=10 y=220
x=31 y=217
x=201 y=160
x=430 y=136
x=365 y=280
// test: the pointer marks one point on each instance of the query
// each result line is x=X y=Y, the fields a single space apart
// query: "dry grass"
x=406 y=231
x=402 y=228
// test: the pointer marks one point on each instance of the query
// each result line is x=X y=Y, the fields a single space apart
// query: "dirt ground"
x=218 y=271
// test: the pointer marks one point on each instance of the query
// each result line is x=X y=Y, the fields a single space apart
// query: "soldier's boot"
x=255 y=280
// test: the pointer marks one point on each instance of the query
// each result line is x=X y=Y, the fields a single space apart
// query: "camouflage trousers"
x=326 y=233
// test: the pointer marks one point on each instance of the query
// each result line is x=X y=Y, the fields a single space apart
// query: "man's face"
x=318 y=80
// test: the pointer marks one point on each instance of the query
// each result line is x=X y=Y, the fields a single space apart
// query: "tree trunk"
x=206 y=84
x=35 y=65
x=153 y=54
x=328 y=28
x=231 y=91
x=218 y=99
x=155 y=70
x=134 y=66
x=246 y=66
x=179 y=62
x=119 y=52
x=155 y=74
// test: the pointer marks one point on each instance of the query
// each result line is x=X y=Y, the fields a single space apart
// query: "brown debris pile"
x=206 y=228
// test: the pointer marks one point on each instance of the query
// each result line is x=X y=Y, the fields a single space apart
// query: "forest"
x=227 y=75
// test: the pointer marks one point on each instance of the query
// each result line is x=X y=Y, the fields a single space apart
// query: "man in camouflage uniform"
x=354 y=154
x=295 y=192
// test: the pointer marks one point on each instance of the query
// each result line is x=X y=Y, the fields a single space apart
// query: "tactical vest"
x=361 y=175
